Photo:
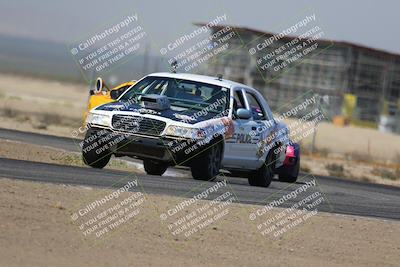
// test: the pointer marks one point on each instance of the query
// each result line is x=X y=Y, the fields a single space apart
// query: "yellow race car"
x=102 y=94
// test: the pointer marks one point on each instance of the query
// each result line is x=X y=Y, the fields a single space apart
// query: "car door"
x=240 y=149
x=267 y=133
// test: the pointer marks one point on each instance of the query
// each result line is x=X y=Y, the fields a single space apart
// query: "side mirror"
x=243 y=114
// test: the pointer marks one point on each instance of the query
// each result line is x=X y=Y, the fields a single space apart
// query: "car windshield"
x=182 y=93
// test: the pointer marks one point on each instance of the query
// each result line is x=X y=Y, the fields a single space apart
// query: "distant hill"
x=53 y=60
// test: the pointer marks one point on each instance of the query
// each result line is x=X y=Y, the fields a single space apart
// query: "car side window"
x=238 y=102
x=256 y=108
x=117 y=93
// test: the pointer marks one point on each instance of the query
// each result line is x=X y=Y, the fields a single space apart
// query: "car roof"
x=201 y=78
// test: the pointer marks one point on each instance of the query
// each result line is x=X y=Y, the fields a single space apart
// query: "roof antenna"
x=174 y=65
x=219 y=77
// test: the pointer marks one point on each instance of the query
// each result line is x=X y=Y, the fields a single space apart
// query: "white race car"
x=205 y=123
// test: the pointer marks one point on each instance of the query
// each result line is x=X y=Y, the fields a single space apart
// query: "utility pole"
x=145 y=60
x=315 y=125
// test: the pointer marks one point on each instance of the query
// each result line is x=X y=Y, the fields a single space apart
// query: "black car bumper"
x=170 y=150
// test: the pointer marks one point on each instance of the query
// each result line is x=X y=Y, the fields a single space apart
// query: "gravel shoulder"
x=37 y=230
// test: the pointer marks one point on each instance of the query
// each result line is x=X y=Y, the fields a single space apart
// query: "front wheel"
x=263 y=176
x=90 y=154
x=206 y=165
x=153 y=167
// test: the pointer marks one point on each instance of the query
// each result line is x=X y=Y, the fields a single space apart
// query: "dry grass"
x=321 y=152
x=50 y=118
x=386 y=174
x=335 y=169
x=360 y=157
x=73 y=159
x=38 y=120
x=8 y=112
x=304 y=167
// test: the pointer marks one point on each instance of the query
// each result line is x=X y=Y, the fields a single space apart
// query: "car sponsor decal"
x=184 y=117
x=265 y=141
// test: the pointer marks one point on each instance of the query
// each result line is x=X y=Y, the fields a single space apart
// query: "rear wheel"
x=206 y=165
x=263 y=176
x=153 y=167
x=90 y=154
x=290 y=175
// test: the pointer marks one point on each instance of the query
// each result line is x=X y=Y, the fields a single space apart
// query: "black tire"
x=263 y=176
x=153 y=167
x=206 y=166
x=89 y=155
x=290 y=176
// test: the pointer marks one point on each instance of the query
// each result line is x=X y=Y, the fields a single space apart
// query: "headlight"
x=185 y=132
x=99 y=119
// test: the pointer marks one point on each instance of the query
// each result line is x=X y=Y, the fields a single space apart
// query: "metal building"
x=334 y=69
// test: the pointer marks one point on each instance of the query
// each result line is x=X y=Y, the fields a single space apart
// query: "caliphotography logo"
x=199 y=133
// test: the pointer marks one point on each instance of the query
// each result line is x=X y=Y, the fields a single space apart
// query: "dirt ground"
x=37 y=230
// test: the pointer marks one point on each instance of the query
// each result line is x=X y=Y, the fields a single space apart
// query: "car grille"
x=137 y=124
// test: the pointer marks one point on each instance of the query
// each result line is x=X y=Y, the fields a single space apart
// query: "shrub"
x=335 y=169
x=50 y=118
x=357 y=156
x=386 y=174
x=304 y=168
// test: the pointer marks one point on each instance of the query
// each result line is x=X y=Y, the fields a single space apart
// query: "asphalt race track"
x=343 y=197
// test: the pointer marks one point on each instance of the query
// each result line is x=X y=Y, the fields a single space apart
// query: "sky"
x=370 y=23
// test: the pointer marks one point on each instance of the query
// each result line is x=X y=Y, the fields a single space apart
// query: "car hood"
x=187 y=115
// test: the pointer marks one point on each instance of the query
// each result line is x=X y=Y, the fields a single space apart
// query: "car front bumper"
x=174 y=151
